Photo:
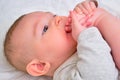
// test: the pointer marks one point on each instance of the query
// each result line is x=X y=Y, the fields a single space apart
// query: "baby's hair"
x=8 y=47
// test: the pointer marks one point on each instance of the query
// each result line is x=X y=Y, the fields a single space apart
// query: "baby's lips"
x=68 y=29
x=69 y=20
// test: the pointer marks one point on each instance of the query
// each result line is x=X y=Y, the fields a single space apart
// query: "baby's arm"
x=95 y=59
x=108 y=25
x=95 y=62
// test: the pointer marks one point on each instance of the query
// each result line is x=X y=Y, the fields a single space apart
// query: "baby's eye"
x=45 y=29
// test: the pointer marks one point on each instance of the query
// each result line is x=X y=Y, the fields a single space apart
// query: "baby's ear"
x=37 y=67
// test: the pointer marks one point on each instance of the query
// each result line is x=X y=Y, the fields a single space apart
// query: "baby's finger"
x=74 y=18
x=83 y=21
x=78 y=10
x=78 y=19
x=83 y=9
x=93 y=6
x=87 y=6
x=95 y=2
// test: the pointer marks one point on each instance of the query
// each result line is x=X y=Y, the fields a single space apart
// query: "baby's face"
x=46 y=35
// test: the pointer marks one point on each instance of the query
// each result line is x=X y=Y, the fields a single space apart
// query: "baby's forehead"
x=28 y=16
x=34 y=17
x=38 y=13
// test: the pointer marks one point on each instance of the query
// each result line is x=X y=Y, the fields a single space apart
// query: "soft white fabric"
x=92 y=61
x=10 y=10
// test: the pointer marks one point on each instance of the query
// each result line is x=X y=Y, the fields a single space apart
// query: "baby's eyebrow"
x=51 y=13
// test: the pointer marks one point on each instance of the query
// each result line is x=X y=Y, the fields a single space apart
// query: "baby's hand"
x=78 y=23
x=89 y=8
x=86 y=8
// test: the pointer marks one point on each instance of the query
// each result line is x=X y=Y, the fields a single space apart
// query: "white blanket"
x=10 y=10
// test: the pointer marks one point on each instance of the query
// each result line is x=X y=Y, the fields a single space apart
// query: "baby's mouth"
x=68 y=28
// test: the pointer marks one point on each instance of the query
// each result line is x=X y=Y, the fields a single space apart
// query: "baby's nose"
x=58 y=20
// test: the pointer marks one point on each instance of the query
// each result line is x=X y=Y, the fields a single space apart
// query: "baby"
x=41 y=43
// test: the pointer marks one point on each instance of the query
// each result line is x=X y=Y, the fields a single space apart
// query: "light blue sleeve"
x=95 y=60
